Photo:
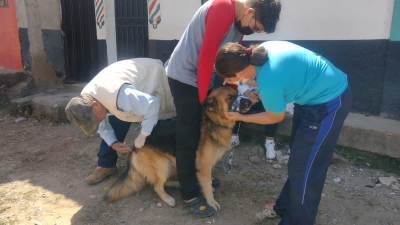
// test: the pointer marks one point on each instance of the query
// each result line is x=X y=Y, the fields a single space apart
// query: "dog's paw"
x=170 y=202
x=214 y=204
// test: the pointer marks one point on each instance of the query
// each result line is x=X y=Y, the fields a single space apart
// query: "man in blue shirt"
x=127 y=91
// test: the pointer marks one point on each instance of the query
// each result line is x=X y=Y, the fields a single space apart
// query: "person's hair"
x=233 y=57
x=267 y=12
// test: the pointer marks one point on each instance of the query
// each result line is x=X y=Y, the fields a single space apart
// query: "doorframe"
x=111 y=39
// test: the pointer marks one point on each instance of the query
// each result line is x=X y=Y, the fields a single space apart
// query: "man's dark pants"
x=188 y=116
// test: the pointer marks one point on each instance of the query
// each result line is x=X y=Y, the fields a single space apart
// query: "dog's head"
x=244 y=105
x=219 y=101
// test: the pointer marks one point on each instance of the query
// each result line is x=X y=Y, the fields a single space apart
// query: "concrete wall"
x=10 y=56
x=41 y=39
x=391 y=94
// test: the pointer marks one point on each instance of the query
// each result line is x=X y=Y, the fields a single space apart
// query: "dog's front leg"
x=204 y=177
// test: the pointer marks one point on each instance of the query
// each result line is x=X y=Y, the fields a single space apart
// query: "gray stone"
x=386 y=180
x=257 y=150
x=394 y=187
x=337 y=180
x=255 y=159
x=159 y=204
x=276 y=166
x=279 y=155
x=20 y=119
x=285 y=157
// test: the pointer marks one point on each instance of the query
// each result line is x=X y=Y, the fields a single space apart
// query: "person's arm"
x=107 y=133
x=130 y=99
x=259 y=118
x=219 y=19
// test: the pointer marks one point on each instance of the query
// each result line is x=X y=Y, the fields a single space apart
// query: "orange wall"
x=10 y=50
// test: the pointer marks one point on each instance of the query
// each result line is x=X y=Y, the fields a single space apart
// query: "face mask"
x=243 y=30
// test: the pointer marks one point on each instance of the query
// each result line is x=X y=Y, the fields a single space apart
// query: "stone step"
x=14 y=84
x=44 y=106
x=372 y=134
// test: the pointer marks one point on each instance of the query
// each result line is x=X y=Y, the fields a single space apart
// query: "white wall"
x=299 y=20
x=175 y=16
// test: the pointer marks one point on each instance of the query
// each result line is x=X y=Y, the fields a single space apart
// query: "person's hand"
x=120 y=147
x=233 y=116
x=140 y=140
x=254 y=97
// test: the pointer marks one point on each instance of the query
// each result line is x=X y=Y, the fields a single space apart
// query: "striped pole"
x=154 y=12
x=99 y=6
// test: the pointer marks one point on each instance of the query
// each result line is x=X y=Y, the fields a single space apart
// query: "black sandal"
x=199 y=207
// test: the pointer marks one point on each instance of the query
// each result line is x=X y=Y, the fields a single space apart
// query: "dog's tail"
x=129 y=182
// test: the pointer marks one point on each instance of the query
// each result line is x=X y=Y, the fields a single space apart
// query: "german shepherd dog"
x=155 y=162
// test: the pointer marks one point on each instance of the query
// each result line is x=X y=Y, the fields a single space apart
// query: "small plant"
x=20 y=109
x=368 y=159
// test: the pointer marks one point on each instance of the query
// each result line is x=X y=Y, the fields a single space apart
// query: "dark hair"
x=233 y=57
x=267 y=12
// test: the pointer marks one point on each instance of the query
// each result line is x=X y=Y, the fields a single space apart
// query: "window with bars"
x=3 y=3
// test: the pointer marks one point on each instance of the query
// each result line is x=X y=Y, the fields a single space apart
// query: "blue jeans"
x=107 y=156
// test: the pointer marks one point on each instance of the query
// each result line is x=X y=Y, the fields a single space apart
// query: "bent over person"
x=127 y=91
x=284 y=73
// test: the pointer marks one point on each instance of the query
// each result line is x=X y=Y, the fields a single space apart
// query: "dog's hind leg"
x=159 y=189
x=174 y=184
x=129 y=182
x=204 y=177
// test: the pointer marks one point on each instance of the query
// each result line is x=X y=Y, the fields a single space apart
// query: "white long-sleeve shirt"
x=130 y=99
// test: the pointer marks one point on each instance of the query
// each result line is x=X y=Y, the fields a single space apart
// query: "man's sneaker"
x=270 y=147
x=99 y=174
x=235 y=140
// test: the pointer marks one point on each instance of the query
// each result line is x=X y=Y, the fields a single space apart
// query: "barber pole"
x=154 y=12
x=99 y=6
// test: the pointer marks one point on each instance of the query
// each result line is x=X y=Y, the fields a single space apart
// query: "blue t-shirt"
x=295 y=74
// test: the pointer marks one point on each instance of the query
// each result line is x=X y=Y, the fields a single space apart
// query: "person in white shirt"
x=127 y=91
x=250 y=92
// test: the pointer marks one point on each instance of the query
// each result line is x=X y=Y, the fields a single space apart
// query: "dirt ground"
x=43 y=165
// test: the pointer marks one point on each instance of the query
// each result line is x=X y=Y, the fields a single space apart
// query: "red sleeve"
x=219 y=18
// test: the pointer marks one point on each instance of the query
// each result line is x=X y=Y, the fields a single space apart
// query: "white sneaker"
x=235 y=141
x=270 y=146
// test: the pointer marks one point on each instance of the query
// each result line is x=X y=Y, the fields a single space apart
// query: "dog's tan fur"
x=155 y=166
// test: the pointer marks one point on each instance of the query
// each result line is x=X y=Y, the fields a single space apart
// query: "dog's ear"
x=209 y=104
